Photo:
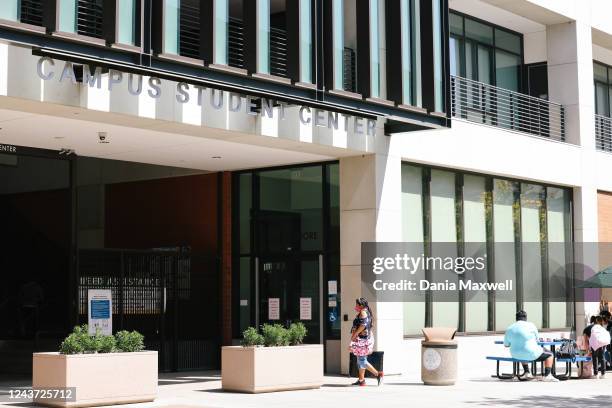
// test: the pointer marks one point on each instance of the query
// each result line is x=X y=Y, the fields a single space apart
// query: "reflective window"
x=438 y=56
x=305 y=41
x=522 y=229
x=221 y=22
x=491 y=55
x=171 y=27
x=603 y=88
x=411 y=52
x=126 y=24
x=375 y=45
x=67 y=16
x=9 y=10
x=263 y=36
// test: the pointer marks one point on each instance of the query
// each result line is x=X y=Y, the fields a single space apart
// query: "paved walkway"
x=195 y=390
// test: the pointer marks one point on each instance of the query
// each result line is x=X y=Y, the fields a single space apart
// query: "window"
x=523 y=230
x=482 y=52
x=181 y=28
x=411 y=52
x=9 y=10
x=603 y=88
x=83 y=17
x=127 y=12
x=116 y=21
x=305 y=60
x=344 y=39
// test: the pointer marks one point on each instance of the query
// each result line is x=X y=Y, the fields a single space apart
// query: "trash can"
x=439 y=356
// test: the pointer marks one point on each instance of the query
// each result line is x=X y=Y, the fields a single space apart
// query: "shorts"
x=543 y=357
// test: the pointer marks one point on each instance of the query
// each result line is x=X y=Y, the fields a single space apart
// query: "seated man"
x=522 y=338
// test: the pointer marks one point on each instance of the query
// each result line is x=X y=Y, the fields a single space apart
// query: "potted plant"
x=96 y=370
x=273 y=360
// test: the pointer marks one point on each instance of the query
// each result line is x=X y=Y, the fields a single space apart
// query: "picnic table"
x=516 y=364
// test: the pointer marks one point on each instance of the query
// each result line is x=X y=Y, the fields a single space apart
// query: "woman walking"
x=362 y=341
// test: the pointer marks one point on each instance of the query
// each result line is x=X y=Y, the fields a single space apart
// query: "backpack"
x=600 y=337
x=568 y=349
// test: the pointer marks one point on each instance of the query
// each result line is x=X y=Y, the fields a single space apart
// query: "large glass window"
x=484 y=53
x=171 y=26
x=412 y=231
x=532 y=205
x=522 y=229
x=221 y=22
x=475 y=238
x=67 y=16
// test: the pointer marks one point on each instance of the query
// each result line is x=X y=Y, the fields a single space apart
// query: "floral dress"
x=364 y=343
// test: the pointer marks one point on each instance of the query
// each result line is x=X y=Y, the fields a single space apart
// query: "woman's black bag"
x=567 y=350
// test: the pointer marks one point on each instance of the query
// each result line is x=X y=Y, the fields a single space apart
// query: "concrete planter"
x=98 y=379
x=266 y=369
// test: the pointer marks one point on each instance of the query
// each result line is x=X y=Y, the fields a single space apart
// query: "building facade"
x=219 y=163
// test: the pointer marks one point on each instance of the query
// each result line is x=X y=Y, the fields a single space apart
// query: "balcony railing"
x=487 y=104
x=603 y=133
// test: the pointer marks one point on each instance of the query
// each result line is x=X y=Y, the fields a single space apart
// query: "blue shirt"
x=522 y=338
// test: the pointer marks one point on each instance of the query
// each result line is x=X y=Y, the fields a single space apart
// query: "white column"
x=570 y=82
x=370 y=210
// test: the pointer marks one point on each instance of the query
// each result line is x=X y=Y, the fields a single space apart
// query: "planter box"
x=98 y=379
x=266 y=369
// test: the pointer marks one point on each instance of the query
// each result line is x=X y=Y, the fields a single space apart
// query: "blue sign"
x=100 y=309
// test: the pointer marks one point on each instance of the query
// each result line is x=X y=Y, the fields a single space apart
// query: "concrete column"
x=570 y=82
x=370 y=210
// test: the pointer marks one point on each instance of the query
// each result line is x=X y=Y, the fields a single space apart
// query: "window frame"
x=493 y=48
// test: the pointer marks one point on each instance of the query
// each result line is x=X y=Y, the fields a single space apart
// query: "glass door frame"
x=254 y=254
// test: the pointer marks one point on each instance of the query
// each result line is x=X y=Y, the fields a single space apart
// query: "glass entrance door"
x=289 y=291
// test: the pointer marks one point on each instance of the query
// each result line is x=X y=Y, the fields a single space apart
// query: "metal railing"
x=482 y=103
x=603 y=133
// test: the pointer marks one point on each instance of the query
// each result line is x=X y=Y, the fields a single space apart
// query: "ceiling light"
x=216 y=157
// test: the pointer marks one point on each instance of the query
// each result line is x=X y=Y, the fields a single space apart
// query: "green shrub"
x=250 y=338
x=297 y=332
x=275 y=335
x=71 y=345
x=107 y=344
x=79 y=341
x=129 y=342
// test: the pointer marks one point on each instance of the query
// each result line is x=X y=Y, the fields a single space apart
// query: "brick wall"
x=604 y=213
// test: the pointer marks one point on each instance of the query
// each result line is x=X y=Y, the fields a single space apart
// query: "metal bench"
x=517 y=365
x=579 y=360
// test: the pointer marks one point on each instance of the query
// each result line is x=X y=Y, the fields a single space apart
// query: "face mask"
x=357 y=308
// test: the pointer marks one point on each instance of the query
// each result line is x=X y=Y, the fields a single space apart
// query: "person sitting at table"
x=599 y=340
x=522 y=338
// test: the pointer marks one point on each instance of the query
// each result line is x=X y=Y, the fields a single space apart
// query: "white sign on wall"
x=100 y=311
x=273 y=308
x=306 y=308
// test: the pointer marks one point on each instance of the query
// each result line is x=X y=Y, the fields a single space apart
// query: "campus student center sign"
x=49 y=70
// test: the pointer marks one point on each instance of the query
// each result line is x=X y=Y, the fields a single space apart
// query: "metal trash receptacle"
x=439 y=356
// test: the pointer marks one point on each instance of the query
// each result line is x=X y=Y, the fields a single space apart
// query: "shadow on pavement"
x=542 y=401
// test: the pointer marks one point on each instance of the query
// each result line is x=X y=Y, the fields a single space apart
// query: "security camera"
x=103 y=137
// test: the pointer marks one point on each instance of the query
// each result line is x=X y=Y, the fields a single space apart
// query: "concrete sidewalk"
x=203 y=389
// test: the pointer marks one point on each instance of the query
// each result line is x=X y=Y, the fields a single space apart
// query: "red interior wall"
x=180 y=211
